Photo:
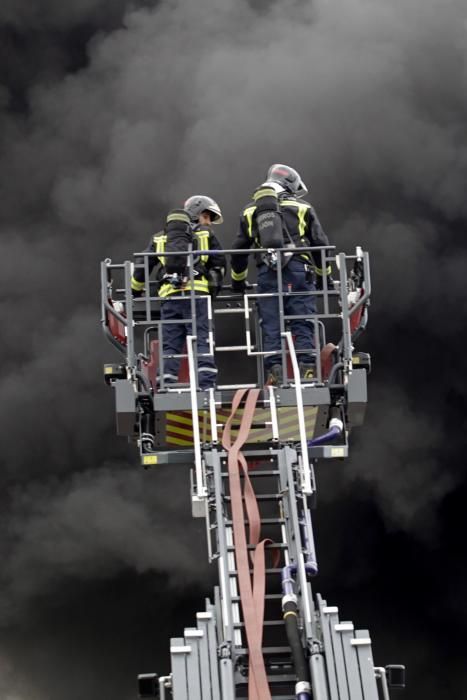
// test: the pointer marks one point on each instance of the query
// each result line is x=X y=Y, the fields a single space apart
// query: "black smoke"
x=110 y=113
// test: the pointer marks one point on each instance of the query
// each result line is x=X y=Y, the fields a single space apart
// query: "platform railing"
x=132 y=314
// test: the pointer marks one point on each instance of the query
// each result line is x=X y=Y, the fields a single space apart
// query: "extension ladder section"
x=341 y=662
x=267 y=474
x=268 y=497
x=212 y=660
x=349 y=658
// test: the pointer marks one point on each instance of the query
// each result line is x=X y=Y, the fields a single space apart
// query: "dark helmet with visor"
x=288 y=178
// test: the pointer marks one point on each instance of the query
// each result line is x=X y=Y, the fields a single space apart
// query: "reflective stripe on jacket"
x=203 y=240
x=302 y=227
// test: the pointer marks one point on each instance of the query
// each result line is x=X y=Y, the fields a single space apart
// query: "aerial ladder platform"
x=253 y=448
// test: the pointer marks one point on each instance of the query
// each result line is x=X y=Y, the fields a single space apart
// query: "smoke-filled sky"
x=110 y=113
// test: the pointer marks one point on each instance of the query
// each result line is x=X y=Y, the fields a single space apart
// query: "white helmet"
x=198 y=203
x=288 y=178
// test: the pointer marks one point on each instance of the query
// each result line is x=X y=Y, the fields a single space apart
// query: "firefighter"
x=278 y=217
x=187 y=228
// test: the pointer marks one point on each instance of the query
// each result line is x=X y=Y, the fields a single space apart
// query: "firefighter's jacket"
x=203 y=239
x=301 y=225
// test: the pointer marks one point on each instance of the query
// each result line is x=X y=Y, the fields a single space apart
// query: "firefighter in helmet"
x=278 y=217
x=186 y=229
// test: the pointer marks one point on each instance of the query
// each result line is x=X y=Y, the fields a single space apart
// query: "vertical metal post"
x=227 y=679
x=366 y=273
x=200 y=487
x=273 y=410
x=211 y=340
x=306 y=478
x=224 y=576
x=259 y=347
x=325 y=282
x=104 y=287
x=194 y=325
x=362 y=643
x=346 y=334
x=318 y=674
x=317 y=341
x=160 y=335
x=192 y=637
x=246 y=310
x=380 y=673
x=207 y=624
x=130 y=348
x=213 y=417
x=147 y=291
x=162 y=681
x=280 y=301
x=178 y=653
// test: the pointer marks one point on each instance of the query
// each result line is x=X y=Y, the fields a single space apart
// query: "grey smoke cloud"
x=96 y=524
x=52 y=14
x=399 y=455
x=368 y=101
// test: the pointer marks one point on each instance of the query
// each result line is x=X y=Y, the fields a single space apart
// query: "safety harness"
x=266 y=223
x=179 y=238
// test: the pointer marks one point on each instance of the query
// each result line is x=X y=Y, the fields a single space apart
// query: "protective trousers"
x=178 y=308
x=295 y=278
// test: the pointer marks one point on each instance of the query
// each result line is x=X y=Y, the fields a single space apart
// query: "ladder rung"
x=268 y=596
x=264 y=521
x=281 y=697
x=266 y=623
x=252 y=547
x=281 y=678
x=263 y=497
x=257 y=472
x=267 y=651
x=233 y=572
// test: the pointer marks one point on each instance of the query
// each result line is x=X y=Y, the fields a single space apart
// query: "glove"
x=215 y=277
x=136 y=293
x=240 y=286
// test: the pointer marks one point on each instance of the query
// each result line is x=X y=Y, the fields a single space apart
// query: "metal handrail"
x=306 y=476
x=201 y=491
x=146 y=303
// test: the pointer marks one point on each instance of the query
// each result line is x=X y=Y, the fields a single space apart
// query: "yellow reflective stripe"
x=301 y=213
x=179 y=430
x=266 y=192
x=159 y=243
x=179 y=216
x=199 y=286
x=175 y=417
x=239 y=276
x=319 y=271
x=137 y=286
x=203 y=243
x=294 y=203
x=176 y=441
x=248 y=214
x=302 y=220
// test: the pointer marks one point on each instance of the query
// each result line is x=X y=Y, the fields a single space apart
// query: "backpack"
x=268 y=216
x=272 y=230
x=179 y=239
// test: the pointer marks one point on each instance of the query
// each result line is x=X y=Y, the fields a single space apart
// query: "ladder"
x=211 y=660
